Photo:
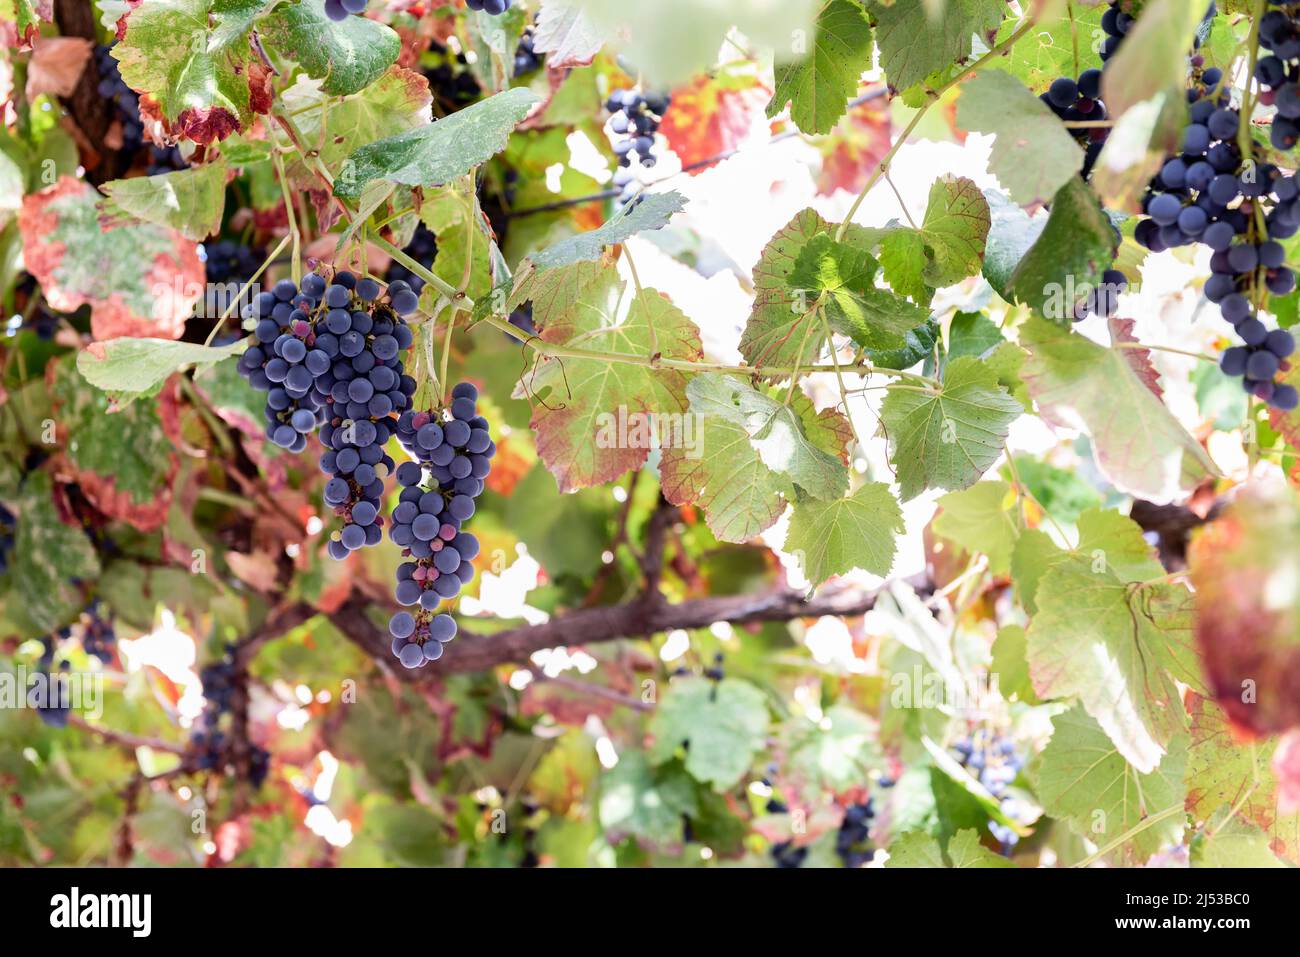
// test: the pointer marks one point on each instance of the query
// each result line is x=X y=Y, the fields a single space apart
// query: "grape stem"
x=295 y=264
x=551 y=350
x=1131 y=833
x=234 y=303
x=888 y=158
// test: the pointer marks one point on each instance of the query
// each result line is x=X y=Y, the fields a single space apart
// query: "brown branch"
x=125 y=738
x=635 y=619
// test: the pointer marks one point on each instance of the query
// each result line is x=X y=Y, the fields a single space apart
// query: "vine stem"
x=464 y=302
x=1181 y=352
x=295 y=266
x=888 y=158
x=1131 y=833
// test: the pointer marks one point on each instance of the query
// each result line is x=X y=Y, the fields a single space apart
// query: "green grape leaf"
x=836 y=753
x=842 y=278
x=819 y=85
x=398 y=101
x=1033 y=154
x=190 y=201
x=1012 y=233
x=948 y=438
x=919 y=849
x=439 y=152
x=1138 y=444
x=1228 y=841
x=185 y=55
x=653 y=212
x=131 y=368
x=917 y=38
x=1061 y=44
x=639 y=800
x=1151 y=58
x=1224 y=770
x=48 y=559
x=602 y=418
x=127 y=451
x=782 y=331
x=725 y=723
x=835 y=537
x=1010 y=665
x=346 y=56
x=1082 y=778
x=955 y=228
x=904 y=258
x=462 y=231
x=1117 y=646
x=978 y=520
x=139 y=280
x=567 y=34
x=1069 y=256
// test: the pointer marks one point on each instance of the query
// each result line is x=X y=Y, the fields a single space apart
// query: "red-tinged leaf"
x=1244 y=566
x=1288 y=423
x=1223 y=770
x=712 y=115
x=1286 y=765
x=138 y=280
x=852 y=151
x=1121 y=330
x=56 y=65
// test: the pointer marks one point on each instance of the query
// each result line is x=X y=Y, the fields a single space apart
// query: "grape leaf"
x=202 y=83
x=598 y=421
x=1137 y=442
x=139 y=280
x=439 y=152
x=1033 y=154
x=948 y=438
x=917 y=38
x=397 y=101
x=452 y=215
x=566 y=33
x=1012 y=233
x=837 y=536
x=842 y=278
x=1010 y=665
x=978 y=520
x=1117 y=648
x=346 y=55
x=711 y=115
x=725 y=723
x=646 y=802
x=653 y=212
x=1083 y=779
x=1228 y=841
x=1062 y=43
x=49 y=559
x=819 y=85
x=190 y=201
x=1150 y=60
x=919 y=849
x=852 y=151
x=1069 y=256
x=1224 y=770
x=130 y=368
x=127 y=450
x=836 y=753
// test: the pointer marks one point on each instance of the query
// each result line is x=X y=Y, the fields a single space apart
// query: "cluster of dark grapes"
x=1116 y=23
x=1077 y=101
x=98 y=634
x=423 y=247
x=453 y=450
x=493 y=7
x=526 y=60
x=340 y=10
x=229 y=261
x=852 y=841
x=8 y=535
x=451 y=81
x=208 y=743
x=1279 y=71
x=634 y=119
x=992 y=759
x=327 y=357
x=49 y=692
x=126 y=102
x=1240 y=210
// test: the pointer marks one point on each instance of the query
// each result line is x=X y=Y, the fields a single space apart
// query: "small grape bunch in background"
x=634 y=120
x=339 y=10
x=492 y=7
x=452 y=449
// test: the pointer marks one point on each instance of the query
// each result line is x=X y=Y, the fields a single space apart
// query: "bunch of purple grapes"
x=852 y=841
x=1075 y=101
x=453 y=450
x=423 y=247
x=98 y=635
x=208 y=742
x=8 y=536
x=328 y=357
x=1279 y=73
x=634 y=120
x=493 y=7
x=992 y=758
x=340 y=10
x=526 y=59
